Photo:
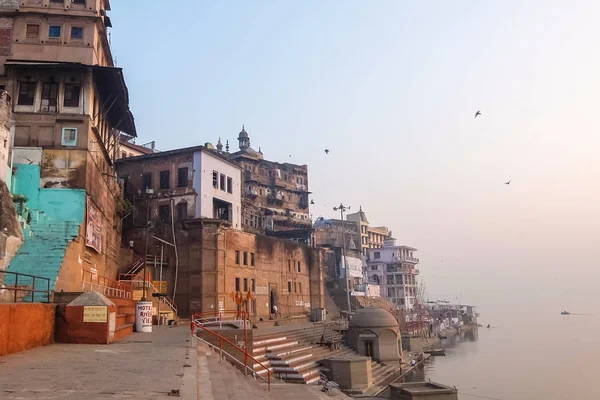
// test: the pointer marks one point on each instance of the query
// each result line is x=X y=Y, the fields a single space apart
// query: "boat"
x=436 y=352
x=565 y=313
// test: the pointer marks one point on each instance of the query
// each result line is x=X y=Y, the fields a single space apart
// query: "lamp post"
x=343 y=209
x=145 y=261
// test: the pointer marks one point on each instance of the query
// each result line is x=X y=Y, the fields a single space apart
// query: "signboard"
x=161 y=286
x=93 y=230
x=95 y=313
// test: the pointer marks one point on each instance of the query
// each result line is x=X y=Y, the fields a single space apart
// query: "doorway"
x=273 y=303
x=369 y=348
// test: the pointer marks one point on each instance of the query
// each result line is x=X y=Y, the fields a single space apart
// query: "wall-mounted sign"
x=95 y=313
x=93 y=230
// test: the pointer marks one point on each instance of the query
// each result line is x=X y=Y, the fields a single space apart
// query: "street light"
x=148 y=226
x=343 y=209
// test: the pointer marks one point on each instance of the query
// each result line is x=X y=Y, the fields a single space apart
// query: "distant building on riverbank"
x=394 y=268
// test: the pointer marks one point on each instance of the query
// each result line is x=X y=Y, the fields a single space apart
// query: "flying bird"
x=507 y=183
x=312 y=202
x=477 y=114
x=326 y=151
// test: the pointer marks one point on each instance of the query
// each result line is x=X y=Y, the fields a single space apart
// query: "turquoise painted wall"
x=54 y=217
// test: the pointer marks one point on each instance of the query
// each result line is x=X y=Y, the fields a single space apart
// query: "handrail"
x=24 y=288
x=246 y=354
x=109 y=287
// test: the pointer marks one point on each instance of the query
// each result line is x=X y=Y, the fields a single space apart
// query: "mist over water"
x=527 y=354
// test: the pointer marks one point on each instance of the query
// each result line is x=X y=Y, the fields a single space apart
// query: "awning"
x=114 y=95
x=112 y=90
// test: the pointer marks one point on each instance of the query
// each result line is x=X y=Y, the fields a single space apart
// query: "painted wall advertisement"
x=93 y=230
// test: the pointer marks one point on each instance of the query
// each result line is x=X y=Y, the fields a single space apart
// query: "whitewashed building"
x=394 y=269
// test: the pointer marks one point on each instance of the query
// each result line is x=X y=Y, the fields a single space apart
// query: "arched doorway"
x=273 y=303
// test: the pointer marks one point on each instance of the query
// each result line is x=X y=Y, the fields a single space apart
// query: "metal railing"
x=104 y=285
x=231 y=358
x=27 y=284
x=135 y=266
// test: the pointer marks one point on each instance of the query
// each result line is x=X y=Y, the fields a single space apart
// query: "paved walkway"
x=143 y=366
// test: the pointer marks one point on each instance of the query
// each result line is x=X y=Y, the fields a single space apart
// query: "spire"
x=219 y=145
x=244 y=139
x=227 y=146
x=259 y=150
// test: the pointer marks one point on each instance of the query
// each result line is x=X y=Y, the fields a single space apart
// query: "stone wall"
x=24 y=326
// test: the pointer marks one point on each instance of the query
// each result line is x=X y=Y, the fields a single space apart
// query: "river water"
x=523 y=356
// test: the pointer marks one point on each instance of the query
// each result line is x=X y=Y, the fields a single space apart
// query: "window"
x=49 y=97
x=69 y=137
x=252 y=259
x=32 y=31
x=182 y=177
x=222 y=182
x=26 y=93
x=237 y=284
x=376 y=254
x=252 y=285
x=373 y=267
x=245 y=284
x=164 y=179
x=299 y=287
x=147 y=181
x=123 y=155
x=401 y=301
x=164 y=213
x=82 y=2
x=289 y=287
x=289 y=265
x=76 y=32
x=72 y=92
x=229 y=185
x=181 y=211
x=298 y=266
x=237 y=257
x=57 y=1
x=215 y=179
x=245 y=258
x=54 y=32
x=390 y=279
x=295 y=288
x=398 y=279
x=391 y=268
x=391 y=292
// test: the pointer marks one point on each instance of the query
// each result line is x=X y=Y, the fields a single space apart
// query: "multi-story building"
x=332 y=232
x=70 y=105
x=394 y=268
x=128 y=148
x=370 y=237
x=188 y=183
x=275 y=195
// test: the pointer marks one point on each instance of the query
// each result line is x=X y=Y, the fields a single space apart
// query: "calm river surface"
x=523 y=357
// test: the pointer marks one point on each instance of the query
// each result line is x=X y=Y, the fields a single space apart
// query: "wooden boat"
x=565 y=313
x=436 y=352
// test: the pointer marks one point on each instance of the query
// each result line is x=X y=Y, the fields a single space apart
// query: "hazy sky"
x=391 y=87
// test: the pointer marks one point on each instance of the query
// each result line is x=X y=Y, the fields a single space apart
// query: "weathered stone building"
x=275 y=194
x=70 y=104
x=222 y=261
x=370 y=237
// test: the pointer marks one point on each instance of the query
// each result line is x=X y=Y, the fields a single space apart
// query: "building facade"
x=217 y=264
x=370 y=237
x=70 y=104
x=394 y=268
x=194 y=182
x=275 y=194
x=128 y=148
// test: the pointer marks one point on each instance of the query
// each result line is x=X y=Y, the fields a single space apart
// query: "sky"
x=391 y=88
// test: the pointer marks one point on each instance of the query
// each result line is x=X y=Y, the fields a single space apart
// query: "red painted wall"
x=24 y=326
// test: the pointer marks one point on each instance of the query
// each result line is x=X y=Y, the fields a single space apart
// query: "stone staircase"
x=294 y=356
x=44 y=244
x=125 y=317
